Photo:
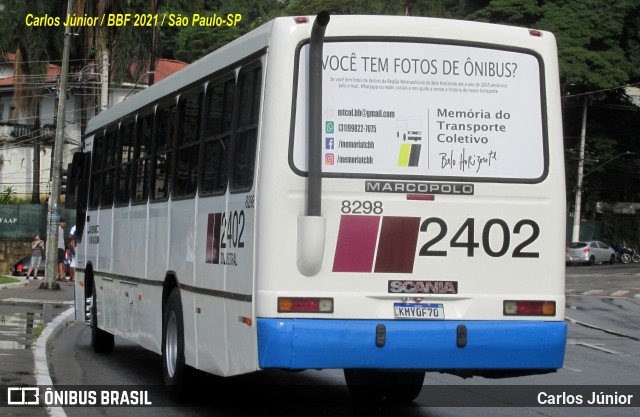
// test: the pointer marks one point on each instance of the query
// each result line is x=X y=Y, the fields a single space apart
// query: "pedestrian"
x=37 y=247
x=72 y=255
x=61 y=250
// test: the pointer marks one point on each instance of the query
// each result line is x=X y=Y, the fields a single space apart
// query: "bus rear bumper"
x=490 y=345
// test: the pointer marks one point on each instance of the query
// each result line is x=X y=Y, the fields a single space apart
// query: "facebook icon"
x=329 y=143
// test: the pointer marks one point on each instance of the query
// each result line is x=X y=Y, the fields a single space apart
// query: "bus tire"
x=101 y=340
x=173 y=362
x=402 y=387
x=364 y=385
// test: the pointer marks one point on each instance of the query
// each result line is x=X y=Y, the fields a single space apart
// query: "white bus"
x=383 y=195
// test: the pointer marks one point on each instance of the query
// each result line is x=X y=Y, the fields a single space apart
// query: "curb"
x=37 y=303
x=40 y=353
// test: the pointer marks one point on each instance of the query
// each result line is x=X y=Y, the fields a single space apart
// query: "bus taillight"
x=529 y=308
x=305 y=305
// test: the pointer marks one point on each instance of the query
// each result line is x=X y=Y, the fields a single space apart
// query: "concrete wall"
x=12 y=250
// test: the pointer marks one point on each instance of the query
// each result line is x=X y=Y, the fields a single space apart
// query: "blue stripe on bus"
x=319 y=343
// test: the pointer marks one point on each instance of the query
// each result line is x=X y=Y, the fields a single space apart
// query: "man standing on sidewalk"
x=61 y=250
x=37 y=247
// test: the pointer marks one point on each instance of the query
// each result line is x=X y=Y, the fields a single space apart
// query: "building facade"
x=26 y=140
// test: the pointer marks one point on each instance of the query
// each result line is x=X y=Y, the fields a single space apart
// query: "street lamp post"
x=576 y=211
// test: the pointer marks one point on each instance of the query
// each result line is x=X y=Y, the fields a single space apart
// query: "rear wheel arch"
x=170 y=282
x=89 y=281
x=101 y=340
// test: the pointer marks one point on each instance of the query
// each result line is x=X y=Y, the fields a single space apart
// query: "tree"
x=33 y=47
x=190 y=43
x=599 y=53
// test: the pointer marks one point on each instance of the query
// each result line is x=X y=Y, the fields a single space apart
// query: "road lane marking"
x=592 y=326
x=595 y=347
x=620 y=293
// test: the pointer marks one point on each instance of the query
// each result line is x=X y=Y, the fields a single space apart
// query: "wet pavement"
x=25 y=311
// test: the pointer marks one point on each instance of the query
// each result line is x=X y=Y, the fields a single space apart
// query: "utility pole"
x=104 y=81
x=154 y=42
x=51 y=266
x=578 y=203
x=35 y=189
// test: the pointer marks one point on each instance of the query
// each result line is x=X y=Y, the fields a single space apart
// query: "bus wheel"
x=402 y=386
x=173 y=364
x=101 y=341
x=364 y=384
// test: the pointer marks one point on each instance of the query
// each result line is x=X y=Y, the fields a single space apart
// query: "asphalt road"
x=603 y=351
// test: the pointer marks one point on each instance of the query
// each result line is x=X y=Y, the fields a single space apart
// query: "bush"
x=8 y=195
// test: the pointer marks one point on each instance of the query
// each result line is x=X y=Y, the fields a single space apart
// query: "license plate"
x=418 y=311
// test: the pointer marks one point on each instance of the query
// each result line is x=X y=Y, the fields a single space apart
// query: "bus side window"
x=187 y=158
x=96 y=170
x=247 y=130
x=166 y=120
x=142 y=157
x=124 y=162
x=217 y=136
x=109 y=170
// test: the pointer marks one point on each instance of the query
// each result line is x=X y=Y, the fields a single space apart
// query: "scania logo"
x=423 y=287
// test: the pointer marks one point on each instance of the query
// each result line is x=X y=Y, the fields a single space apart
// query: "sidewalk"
x=29 y=318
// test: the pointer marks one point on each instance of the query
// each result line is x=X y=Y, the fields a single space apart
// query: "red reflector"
x=305 y=304
x=19 y=268
x=535 y=32
x=531 y=307
x=421 y=197
x=301 y=19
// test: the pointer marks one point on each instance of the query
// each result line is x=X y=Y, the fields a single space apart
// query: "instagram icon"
x=329 y=159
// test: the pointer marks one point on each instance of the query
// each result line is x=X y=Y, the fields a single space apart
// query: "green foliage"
x=511 y=12
x=8 y=195
x=617 y=228
x=7 y=280
x=591 y=35
x=33 y=47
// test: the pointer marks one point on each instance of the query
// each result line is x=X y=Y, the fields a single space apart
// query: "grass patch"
x=7 y=280
x=38 y=331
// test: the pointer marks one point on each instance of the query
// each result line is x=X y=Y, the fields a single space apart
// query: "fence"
x=23 y=221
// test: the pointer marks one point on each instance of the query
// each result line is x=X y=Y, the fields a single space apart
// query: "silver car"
x=589 y=252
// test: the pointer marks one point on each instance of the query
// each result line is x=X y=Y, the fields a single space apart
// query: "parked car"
x=21 y=267
x=589 y=252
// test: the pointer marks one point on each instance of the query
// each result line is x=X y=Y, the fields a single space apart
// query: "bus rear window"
x=421 y=110
x=577 y=245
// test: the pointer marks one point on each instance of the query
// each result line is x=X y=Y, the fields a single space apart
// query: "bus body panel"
x=181 y=242
x=210 y=276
